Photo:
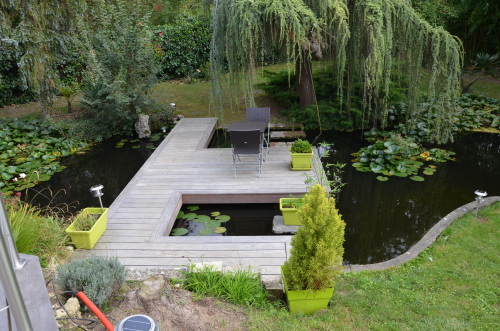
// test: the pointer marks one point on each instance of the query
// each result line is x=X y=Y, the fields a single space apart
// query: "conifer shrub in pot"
x=301 y=152
x=316 y=254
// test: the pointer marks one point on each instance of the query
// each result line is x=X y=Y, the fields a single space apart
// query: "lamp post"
x=96 y=191
x=479 y=198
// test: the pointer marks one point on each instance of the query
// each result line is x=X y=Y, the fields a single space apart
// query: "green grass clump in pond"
x=453 y=285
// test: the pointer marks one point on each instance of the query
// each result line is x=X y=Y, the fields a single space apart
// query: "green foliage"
x=11 y=89
x=201 y=225
x=121 y=67
x=317 y=251
x=34 y=233
x=185 y=47
x=240 y=286
x=30 y=150
x=85 y=222
x=477 y=112
x=39 y=32
x=394 y=155
x=98 y=277
x=301 y=146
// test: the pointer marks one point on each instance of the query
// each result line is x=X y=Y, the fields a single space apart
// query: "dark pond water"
x=103 y=164
x=383 y=219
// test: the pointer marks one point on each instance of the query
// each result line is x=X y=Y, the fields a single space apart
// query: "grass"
x=453 y=285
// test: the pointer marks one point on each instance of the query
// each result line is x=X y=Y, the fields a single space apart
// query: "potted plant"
x=316 y=254
x=289 y=208
x=301 y=152
x=87 y=227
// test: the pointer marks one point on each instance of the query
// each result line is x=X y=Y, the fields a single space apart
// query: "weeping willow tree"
x=366 y=40
x=38 y=31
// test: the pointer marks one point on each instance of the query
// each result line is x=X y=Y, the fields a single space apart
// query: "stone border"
x=426 y=241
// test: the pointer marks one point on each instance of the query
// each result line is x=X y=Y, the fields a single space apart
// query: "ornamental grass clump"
x=317 y=251
x=98 y=277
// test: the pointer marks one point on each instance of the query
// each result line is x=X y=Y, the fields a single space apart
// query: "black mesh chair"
x=261 y=115
x=247 y=150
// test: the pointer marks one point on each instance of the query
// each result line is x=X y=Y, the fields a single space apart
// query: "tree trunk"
x=303 y=68
x=70 y=108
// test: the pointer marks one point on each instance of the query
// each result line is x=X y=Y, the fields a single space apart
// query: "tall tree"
x=366 y=40
x=39 y=31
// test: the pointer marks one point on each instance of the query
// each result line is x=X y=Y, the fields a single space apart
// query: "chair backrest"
x=245 y=141
x=258 y=114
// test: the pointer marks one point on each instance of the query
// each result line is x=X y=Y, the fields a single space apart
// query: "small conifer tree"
x=317 y=251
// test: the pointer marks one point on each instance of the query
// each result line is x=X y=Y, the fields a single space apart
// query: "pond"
x=384 y=219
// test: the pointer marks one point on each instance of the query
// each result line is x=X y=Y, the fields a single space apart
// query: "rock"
x=73 y=307
x=151 y=288
x=142 y=126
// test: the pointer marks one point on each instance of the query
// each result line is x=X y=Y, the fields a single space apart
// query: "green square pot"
x=290 y=216
x=88 y=239
x=306 y=301
x=301 y=161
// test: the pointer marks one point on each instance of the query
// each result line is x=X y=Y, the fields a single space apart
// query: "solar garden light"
x=479 y=198
x=96 y=191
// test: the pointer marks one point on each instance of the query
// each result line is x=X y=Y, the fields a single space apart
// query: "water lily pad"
x=212 y=224
x=193 y=208
x=215 y=213
x=189 y=216
x=417 y=178
x=179 y=232
x=401 y=174
x=205 y=232
x=382 y=178
x=223 y=218
x=428 y=173
x=180 y=214
x=202 y=219
x=220 y=229
x=136 y=146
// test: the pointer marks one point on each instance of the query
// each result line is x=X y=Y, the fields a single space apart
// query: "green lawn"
x=453 y=285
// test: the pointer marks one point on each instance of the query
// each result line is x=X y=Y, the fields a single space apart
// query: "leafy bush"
x=240 y=286
x=33 y=232
x=317 y=251
x=301 y=146
x=184 y=47
x=98 y=277
x=11 y=90
x=121 y=68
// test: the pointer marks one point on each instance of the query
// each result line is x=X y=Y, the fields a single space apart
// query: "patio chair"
x=247 y=150
x=261 y=115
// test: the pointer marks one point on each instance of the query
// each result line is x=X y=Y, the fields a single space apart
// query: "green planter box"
x=289 y=213
x=307 y=301
x=301 y=161
x=87 y=239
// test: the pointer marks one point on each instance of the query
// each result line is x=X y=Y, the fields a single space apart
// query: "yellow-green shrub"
x=317 y=251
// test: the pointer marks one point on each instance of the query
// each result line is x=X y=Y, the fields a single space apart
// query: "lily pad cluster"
x=135 y=142
x=203 y=225
x=29 y=152
x=401 y=157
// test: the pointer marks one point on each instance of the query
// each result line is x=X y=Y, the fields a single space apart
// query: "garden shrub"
x=185 y=47
x=317 y=247
x=98 y=277
x=11 y=91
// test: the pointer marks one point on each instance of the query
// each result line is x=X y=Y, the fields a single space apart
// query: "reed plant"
x=35 y=233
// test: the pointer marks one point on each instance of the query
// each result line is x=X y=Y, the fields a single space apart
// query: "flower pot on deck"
x=289 y=208
x=88 y=239
x=301 y=161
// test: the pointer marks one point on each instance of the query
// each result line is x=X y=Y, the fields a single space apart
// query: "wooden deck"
x=182 y=170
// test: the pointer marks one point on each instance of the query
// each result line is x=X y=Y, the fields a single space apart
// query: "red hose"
x=107 y=324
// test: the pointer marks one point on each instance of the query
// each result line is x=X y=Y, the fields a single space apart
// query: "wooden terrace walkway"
x=183 y=171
